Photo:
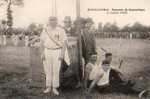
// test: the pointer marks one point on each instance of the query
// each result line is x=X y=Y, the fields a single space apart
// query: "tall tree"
x=114 y=27
x=138 y=27
x=32 y=27
x=3 y=26
x=107 y=27
x=10 y=4
x=126 y=28
x=1 y=3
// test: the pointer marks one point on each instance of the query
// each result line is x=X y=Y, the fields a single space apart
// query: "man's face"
x=94 y=59
x=88 y=25
x=106 y=67
x=67 y=24
x=109 y=59
x=53 y=23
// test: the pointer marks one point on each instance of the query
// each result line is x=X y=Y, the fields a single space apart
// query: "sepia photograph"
x=74 y=49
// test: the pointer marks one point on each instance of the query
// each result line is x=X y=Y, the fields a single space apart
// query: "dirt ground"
x=22 y=77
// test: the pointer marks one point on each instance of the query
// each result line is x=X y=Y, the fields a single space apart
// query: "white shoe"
x=142 y=93
x=55 y=91
x=47 y=90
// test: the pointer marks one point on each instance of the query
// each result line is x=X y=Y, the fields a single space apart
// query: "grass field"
x=18 y=65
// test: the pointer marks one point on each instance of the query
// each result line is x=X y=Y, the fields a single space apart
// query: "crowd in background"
x=108 y=30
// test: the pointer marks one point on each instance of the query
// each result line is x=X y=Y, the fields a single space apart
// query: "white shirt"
x=105 y=78
x=98 y=70
x=58 y=34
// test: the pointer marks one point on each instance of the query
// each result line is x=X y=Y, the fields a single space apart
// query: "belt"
x=54 y=48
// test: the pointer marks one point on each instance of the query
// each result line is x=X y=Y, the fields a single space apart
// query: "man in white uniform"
x=53 y=39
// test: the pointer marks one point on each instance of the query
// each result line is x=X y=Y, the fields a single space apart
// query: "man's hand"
x=61 y=58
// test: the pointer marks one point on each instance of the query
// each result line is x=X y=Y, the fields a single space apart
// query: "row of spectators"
x=125 y=35
x=107 y=30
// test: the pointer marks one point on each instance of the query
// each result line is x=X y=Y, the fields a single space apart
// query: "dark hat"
x=108 y=54
x=67 y=19
x=80 y=20
x=93 y=57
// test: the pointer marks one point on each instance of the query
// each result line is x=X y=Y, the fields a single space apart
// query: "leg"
x=56 y=70
x=104 y=89
x=67 y=77
x=123 y=86
x=114 y=77
x=125 y=89
x=94 y=82
x=48 y=71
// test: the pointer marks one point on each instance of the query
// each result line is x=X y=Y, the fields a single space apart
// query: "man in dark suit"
x=88 y=40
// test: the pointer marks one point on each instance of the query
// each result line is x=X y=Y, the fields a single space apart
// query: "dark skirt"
x=68 y=78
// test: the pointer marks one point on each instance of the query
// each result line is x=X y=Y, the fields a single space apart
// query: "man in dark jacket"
x=88 y=40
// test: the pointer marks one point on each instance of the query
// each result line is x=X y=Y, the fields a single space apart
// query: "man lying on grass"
x=107 y=79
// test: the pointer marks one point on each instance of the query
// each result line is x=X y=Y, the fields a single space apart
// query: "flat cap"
x=52 y=18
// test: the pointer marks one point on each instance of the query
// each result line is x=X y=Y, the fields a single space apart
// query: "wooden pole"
x=78 y=8
x=79 y=31
x=54 y=8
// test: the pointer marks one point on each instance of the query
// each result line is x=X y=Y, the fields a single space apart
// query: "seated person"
x=68 y=78
x=89 y=68
x=108 y=79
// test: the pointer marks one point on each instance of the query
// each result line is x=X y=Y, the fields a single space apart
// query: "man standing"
x=88 y=40
x=53 y=39
x=68 y=26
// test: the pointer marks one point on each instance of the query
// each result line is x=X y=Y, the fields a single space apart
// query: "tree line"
x=137 y=30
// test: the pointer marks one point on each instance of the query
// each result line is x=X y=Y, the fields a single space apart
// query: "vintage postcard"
x=74 y=49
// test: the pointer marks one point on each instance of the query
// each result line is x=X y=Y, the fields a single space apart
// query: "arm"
x=64 y=46
x=63 y=43
x=88 y=69
x=94 y=82
x=42 y=37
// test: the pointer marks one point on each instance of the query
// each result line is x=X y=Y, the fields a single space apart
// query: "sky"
x=38 y=11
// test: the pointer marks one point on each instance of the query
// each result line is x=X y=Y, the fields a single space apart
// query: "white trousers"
x=52 y=67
